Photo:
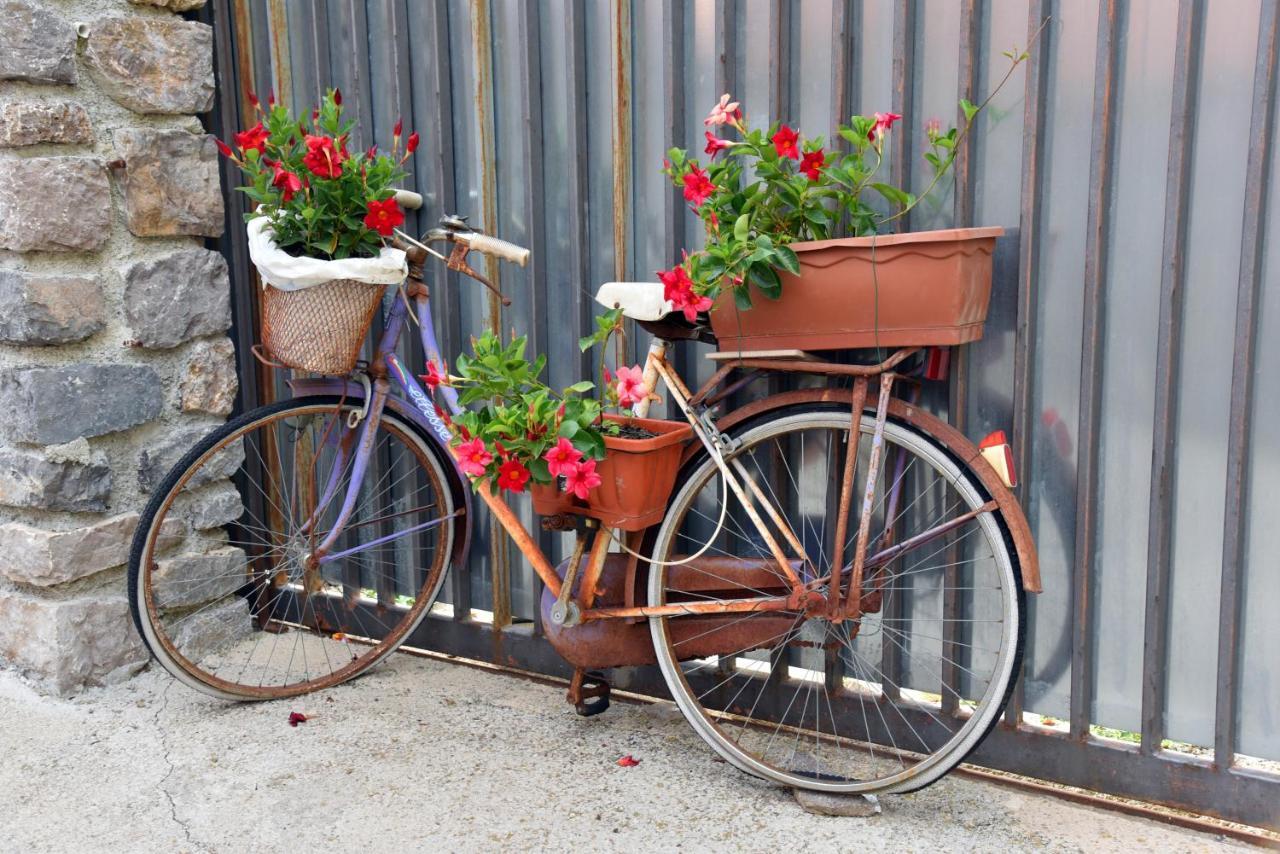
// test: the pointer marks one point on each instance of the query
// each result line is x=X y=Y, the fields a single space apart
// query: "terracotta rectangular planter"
x=893 y=290
x=636 y=478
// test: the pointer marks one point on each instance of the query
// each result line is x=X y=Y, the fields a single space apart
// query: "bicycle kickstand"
x=589 y=692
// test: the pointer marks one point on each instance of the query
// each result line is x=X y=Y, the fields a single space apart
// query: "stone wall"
x=113 y=315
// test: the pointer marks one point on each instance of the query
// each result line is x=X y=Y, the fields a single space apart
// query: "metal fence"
x=1134 y=340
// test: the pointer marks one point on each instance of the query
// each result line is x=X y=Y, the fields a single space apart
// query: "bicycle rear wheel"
x=220 y=585
x=886 y=703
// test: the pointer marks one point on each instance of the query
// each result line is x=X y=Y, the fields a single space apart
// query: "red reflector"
x=937 y=360
x=994 y=438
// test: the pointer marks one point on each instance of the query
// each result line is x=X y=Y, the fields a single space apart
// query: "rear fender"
x=933 y=427
x=461 y=495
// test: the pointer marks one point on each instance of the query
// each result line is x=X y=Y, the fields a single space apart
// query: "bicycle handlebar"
x=408 y=199
x=495 y=247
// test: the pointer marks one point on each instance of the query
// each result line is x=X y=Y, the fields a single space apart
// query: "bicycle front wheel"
x=222 y=585
x=886 y=703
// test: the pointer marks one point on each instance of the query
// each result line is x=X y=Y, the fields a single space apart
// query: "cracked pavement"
x=425 y=755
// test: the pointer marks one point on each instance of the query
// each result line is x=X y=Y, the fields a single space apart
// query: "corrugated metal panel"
x=1131 y=345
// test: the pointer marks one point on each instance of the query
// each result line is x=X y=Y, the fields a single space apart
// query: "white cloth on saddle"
x=289 y=273
x=638 y=300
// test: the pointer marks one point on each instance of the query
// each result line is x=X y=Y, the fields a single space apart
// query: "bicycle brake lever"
x=458 y=263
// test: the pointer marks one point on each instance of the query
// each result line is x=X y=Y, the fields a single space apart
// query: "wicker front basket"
x=319 y=328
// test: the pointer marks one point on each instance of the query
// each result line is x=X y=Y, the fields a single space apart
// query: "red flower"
x=372 y=152
x=582 y=478
x=433 y=378
x=784 y=142
x=513 y=476
x=631 y=387
x=398 y=128
x=287 y=182
x=337 y=97
x=411 y=144
x=628 y=761
x=677 y=288
x=697 y=186
x=253 y=99
x=383 y=217
x=223 y=148
x=323 y=158
x=884 y=122
x=715 y=145
x=812 y=163
x=562 y=457
x=473 y=457
x=253 y=139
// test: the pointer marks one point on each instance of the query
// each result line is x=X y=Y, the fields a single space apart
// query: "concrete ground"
x=425 y=755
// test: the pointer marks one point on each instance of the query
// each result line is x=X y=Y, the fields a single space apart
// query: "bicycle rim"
x=887 y=704
x=219 y=582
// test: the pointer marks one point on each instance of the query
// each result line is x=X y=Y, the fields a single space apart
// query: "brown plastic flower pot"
x=636 y=477
x=894 y=290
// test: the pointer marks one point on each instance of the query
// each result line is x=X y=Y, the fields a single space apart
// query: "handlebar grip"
x=498 y=248
x=408 y=199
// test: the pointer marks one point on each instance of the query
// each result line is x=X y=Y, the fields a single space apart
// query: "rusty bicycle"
x=834 y=594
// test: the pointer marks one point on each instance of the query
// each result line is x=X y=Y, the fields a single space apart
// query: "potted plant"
x=788 y=220
x=561 y=446
x=318 y=233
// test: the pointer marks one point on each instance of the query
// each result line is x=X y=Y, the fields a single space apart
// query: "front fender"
x=935 y=428
x=332 y=386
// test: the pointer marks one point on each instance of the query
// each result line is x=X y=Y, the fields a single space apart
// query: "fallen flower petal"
x=296 y=718
x=628 y=761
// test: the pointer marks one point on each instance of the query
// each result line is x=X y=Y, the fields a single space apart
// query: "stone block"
x=177 y=297
x=170 y=183
x=49 y=309
x=54 y=204
x=35 y=122
x=195 y=579
x=36 y=44
x=32 y=479
x=208 y=382
x=31 y=555
x=68 y=644
x=155 y=461
x=207 y=631
x=49 y=406
x=210 y=507
x=171 y=5
x=153 y=65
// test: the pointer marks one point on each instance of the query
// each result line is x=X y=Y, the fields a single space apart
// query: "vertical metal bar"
x=578 y=217
x=319 y=38
x=780 y=16
x=530 y=47
x=1035 y=94
x=967 y=77
x=1097 y=245
x=726 y=46
x=1262 y=134
x=482 y=95
x=620 y=30
x=844 y=65
x=904 y=66
x=281 y=61
x=1186 y=74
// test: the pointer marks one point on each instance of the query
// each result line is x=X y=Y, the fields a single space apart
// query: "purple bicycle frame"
x=414 y=404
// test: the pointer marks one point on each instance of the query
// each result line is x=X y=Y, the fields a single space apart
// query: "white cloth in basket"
x=284 y=271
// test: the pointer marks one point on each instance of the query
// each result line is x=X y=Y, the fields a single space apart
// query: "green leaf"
x=742 y=297
x=969 y=109
x=742 y=227
x=766 y=279
x=581 y=387
x=787 y=260
x=892 y=194
x=568 y=429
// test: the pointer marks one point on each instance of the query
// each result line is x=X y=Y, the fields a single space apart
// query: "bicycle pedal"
x=593 y=695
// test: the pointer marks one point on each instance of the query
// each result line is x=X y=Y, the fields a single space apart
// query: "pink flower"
x=631 y=387
x=677 y=288
x=433 y=378
x=784 y=142
x=562 y=458
x=582 y=478
x=716 y=145
x=812 y=164
x=884 y=122
x=473 y=457
x=697 y=186
x=513 y=476
x=932 y=129
x=723 y=113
